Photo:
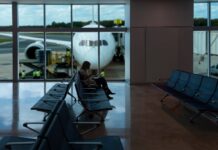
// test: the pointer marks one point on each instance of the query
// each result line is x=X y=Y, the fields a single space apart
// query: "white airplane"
x=85 y=46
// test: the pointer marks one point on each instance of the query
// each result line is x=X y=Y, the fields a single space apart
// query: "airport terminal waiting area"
x=196 y=92
x=61 y=128
x=60 y=125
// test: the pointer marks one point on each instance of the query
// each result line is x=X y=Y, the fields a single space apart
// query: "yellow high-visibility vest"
x=118 y=22
x=102 y=74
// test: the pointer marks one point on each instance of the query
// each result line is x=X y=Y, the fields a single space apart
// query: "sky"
x=33 y=14
x=200 y=10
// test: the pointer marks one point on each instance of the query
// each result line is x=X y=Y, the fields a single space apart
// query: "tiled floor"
x=139 y=118
x=17 y=99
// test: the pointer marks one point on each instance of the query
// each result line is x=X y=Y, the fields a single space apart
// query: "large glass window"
x=200 y=14
x=58 y=16
x=85 y=16
x=5 y=15
x=6 y=107
x=64 y=36
x=31 y=55
x=85 y=48
x=214 y=14
x=214 y=53
x=29 y=94
x=205 y=43
x=6 y=55
x=30 y=15
x=112 y=55
x=112 y=15
x=58 y=55
x=200 y=55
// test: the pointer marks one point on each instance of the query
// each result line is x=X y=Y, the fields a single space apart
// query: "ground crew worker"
x=118 y=22
x=22 y=74
x=37 y=74
x=102 y=74
x=68 y=56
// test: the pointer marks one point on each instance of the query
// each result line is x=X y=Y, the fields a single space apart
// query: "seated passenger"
x=88 y=79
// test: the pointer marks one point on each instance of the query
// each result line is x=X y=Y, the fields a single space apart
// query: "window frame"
x=15 y=29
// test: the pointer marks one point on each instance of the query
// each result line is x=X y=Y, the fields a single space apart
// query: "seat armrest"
x=27 y=123
x=97 y=124
x=93 y=100
x=197 y=94
x=83 y=122
x=94 y=93
x=87 y=88
x=9 y=144
x=213 y=101
x=98 y=144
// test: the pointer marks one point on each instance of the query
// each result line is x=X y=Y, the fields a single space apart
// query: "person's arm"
x=86 y=78
x=83 y=74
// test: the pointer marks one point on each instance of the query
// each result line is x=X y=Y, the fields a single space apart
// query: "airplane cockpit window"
x=82 y=43
x=104 y=42
x=93 y=43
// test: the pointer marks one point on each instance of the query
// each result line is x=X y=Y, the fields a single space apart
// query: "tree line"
x=203 y=22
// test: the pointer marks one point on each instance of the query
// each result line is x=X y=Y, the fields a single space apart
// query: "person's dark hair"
x=86 y=65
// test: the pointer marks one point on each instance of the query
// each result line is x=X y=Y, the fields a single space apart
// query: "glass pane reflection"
x=29 y=94
x=31 y=55
x=5 y=15
x=214 y=53
x=58 y=16
x=6 y=107
x=214 y=14
x=30 y=15
x=83 y=15
x=6 y=55
x=200 y=14
x=200 y=53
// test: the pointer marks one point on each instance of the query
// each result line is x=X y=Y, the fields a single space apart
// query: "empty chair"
x=193 y=85
x=43 y=145
x=182 y=81
x=206 y=90
x=21 y=143
x=202 y=98
x=57 y=93
x=72 y=134
x=9 y=142
x=213 y=103
x=54 y=136
x=61 y=87
x=171 y=82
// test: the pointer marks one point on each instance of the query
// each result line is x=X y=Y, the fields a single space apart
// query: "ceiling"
x=63 y=1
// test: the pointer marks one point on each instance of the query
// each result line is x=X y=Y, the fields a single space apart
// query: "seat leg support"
x=195 y=116
x=165 y=96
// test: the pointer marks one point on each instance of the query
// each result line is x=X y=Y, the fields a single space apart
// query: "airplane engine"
x=30 y=51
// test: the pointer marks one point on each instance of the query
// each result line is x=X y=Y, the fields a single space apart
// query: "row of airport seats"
x=59 y=129
x=93 y=99
x=196 y=92
x=59 y=132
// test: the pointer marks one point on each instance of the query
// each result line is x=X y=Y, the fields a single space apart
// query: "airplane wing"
x=58 y=42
